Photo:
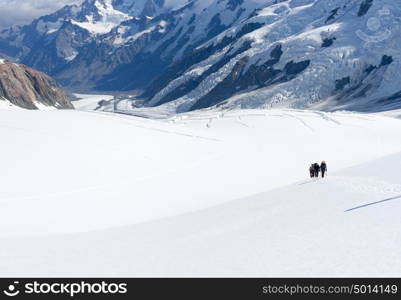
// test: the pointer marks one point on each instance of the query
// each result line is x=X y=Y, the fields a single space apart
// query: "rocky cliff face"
x=30 y=89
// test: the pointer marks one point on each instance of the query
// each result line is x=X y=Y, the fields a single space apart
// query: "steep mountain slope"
x=233 y=53
x=227 y=196
x=297 y=54
x=51 y=42
x=28 y=88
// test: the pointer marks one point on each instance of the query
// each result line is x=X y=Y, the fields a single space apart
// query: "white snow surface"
x=5 y=104
x=113 y=14
x=199 y=194
x=109 y=18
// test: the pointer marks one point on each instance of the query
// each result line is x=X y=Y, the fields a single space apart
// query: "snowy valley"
x=200 y=194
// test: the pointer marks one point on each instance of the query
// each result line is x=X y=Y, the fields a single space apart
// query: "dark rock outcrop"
x=364 y=8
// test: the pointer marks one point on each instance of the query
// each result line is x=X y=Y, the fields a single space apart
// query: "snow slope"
x=199 y=194
x=7 y=105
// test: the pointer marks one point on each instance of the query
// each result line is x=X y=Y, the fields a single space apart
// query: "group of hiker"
x=315 y=169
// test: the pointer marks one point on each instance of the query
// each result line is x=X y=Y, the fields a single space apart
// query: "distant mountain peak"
x=230 y=53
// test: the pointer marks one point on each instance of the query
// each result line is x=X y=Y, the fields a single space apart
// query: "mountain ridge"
x=27 y=88
x=231 y=53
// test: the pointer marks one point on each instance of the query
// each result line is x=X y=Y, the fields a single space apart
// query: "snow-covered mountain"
x=21 y=86
x=186 y=55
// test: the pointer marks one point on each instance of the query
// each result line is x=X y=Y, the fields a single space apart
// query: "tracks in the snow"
x=364 y=186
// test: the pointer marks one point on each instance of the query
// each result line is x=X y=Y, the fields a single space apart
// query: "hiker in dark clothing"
x=316 y=168
x=323 y=168
x=312 y=171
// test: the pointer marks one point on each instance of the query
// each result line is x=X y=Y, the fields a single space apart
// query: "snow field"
x=199 y=194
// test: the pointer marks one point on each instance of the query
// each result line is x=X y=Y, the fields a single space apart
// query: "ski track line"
x=180 y=134
x=324 y=116
x=130 y=123
x=239 y=121
x=114 y=184
x=274 y=113
x=367 y=186
x=239 y=117
x=233 y=115
x=309 y=181
x=300 y=120
x=177 y=133
x=354 y=116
